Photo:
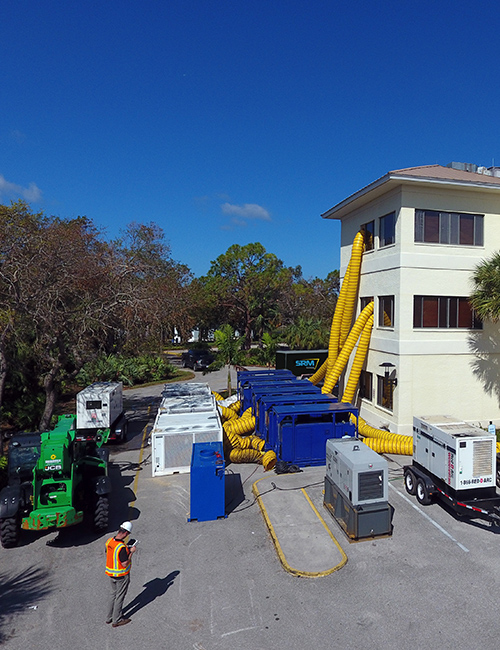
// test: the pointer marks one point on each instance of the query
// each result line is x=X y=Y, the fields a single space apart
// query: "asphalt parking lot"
x=221 y=584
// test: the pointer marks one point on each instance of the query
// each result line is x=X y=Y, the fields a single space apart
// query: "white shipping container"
x=460 y=454
x=99 y=405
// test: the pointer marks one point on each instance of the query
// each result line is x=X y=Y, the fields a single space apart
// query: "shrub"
x=129 y=370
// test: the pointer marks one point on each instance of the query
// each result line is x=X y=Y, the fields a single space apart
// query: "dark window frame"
x=387 y=230
x=448 y=228
x=368 y=230
x=385 y=302
x=366 y=385
x=385 y=393
x=444 y=312
x=365 y=301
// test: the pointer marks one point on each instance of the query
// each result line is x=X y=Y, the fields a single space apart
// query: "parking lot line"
x=430 y=519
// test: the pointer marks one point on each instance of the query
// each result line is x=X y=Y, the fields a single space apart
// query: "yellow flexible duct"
x=269 y=460
x=240 y=425
x=217 y=396
x=398 y=445
x=319 y=374
x=359 y=359
x=245 y=456
x=352 y=290
x=227 y=414
x=235 y=406
x=256 y=442
x=333 y=343
x=333 y=375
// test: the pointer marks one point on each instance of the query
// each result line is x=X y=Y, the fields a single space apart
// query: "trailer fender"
x=10 y=500
x=103 y=486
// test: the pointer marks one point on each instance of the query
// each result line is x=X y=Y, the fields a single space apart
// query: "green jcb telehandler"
x=55 y=481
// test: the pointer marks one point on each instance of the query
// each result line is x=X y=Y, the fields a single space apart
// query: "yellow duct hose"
x=256 y=443
x=269 y=460
x=333 y=375
x=245 y=456
x=333 y=343
x=235 y=406
x=217 y=396
x=240 y=425
x=397 y=445
x=227 y=413
x=359 y=359
x=352 y=290
x=319 y=374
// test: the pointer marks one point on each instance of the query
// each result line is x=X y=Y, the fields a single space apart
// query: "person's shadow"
x=152 y=590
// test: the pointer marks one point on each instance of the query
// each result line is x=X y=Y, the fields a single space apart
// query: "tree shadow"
x=20 y=591
x=485 y=346
x=152 y=590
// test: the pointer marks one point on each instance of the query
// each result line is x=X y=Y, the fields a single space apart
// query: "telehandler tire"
x=9 y=532
x=101 y=513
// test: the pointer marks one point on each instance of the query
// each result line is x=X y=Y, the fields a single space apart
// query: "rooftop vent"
x=465 y=167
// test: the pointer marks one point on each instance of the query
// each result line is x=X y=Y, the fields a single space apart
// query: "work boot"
x=124 y=621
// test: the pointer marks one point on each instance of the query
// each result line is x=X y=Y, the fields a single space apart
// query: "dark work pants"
x=119 y=587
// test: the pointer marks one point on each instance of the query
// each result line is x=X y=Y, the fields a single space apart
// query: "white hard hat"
x=126 y=526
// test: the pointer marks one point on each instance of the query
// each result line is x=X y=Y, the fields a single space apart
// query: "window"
x=365 y=301
x=366 y=385
x=444 y=312
x=388 y=229
x=453 y=228
x=386 y=311
x=368 y=230
x=385 y=390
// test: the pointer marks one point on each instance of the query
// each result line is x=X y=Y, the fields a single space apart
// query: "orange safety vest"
x=114 y=567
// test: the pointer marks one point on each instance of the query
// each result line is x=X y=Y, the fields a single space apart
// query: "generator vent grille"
x=370 y=485
x=482 y=457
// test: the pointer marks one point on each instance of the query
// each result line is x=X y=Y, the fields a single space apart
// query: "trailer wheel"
x=9 y=532
x=101 y=513
x=423 y=496
x=410 y=482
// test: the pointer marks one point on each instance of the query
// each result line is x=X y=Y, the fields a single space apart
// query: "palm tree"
x=228 y=352
x=270 y=345
x=485 y=298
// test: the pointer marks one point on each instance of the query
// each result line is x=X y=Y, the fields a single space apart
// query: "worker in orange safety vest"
x=118 y=564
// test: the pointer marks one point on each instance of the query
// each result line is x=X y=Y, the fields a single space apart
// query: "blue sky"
x=232 y=121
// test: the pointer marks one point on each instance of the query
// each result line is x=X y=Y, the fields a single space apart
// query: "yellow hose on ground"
x=240 y=425
x=359 y=359
x=333 y=375
x=269 y=460
x=227 y=413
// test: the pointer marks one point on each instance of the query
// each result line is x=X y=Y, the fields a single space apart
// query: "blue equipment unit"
x=266 y=402
x=249 y=385
x=207 y=482
x=268 y=373
x=299 y=387
x=298 y=434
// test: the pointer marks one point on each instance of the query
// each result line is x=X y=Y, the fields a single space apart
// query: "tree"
x=228 y=351
x=307 y=334
x=245 y=282
x=485 y=298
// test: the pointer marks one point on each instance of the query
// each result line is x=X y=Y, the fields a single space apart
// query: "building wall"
x=453 y=371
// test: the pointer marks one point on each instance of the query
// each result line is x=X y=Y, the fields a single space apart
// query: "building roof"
x=428 y=174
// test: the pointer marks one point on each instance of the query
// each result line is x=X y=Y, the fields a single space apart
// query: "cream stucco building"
x=426 y=228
